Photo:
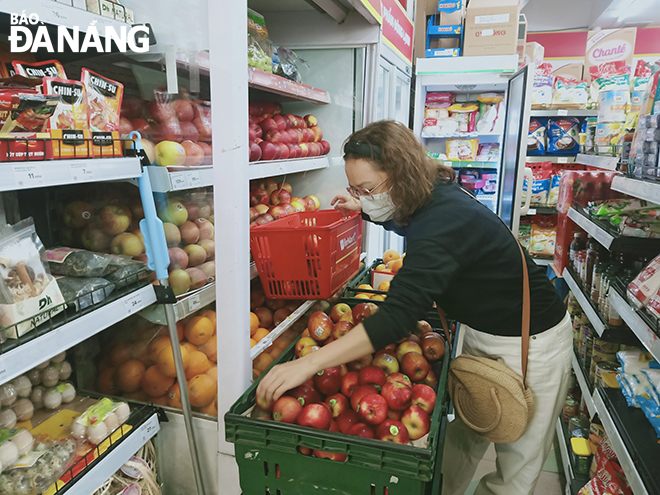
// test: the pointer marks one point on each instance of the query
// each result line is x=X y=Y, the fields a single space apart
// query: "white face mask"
x=379 y=208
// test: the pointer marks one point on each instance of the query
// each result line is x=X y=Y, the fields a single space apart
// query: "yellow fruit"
x=385 y=286
x=390 y=255
x=362 y=295
x=365 y=286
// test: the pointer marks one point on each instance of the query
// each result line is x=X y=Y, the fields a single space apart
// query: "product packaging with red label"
x=69 y=143
x=72 y=111
x=29 y=113
x=103 y=101
x=39 y=70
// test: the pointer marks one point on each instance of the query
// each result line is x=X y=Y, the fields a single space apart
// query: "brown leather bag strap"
x=445 y=326
x=526 y=310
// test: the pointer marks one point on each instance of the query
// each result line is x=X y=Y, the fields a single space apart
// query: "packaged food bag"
x=568 y=92
x=104 y=98
x=28 y=293
x=542 y=86
x=72 y=112
x=645 y=284
x=466 y=115
x=537 y=138
x=260 y=49
x=29 y=113
x=462 y=149
x=563 y=136
x=543 y=236
x=39 y=70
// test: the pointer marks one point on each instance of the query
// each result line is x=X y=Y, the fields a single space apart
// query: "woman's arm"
x=283 y=377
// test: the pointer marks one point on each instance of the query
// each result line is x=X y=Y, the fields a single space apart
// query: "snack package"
x=103 y=101
x=537 y=138
x=84 y=292
x=563 y=136
x=490 y=176
x=440 y=126
x=541 y=171
x=623 y=206
x=525 y=232
x=488 y=120
x=27 y=288
x=543 y=236
x=73 y=262
x=553 y=195
x=437 y=113
x=462 y=149
x=568 y=92
x=488 y=152
x=645 y=284
x=438 y=100
x=632 y=227
x=608 y=136
x=72 y=112
x=466 y=115
x=285 y=63
x=39 y=70
x=613 y=105
x=635 y=360
x=30 y=113
x=542 y=87
x=260 y=49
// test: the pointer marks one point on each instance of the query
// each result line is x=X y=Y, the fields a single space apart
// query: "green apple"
x=170 y=154
x=172 y=234
x=127 y=244
x=180 y=281
x=174 y=213
x=115 y=219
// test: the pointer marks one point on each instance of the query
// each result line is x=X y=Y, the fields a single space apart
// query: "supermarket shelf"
x=253 y=271
x=585 y=304
x=542 y=210
x=271 y=83
x=550 y=158
x=164 y=180
x=582 y=380
x=259 y=170
x=599 y=161
x=593 y=229
x=25 y=356
x=560 y=112
x=632 y=439
x=184 y=307
x=470 y=164
x=636 y=323
x=460 y=135
x=264 y=343
x=563 y=450
x=650 y=191
x=114 y=459
x=46 y=173
x=543 y=261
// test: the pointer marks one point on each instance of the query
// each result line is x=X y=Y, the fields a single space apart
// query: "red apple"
x=372 y=375
x=290 y=209
x=280 y=196
x=265 y=404
x=424 y=326
x=417 y=422
x=315 y=416
x=269 y=151
x=346 y=420
x=277 y=212
x=343 y=370
x=306 y=394
x=339 y=310
x=424 y=397
x=255 y=152
x=358 y=364
x=348 y=383
x=125 y=126
x=386 y=361
x=162 y=112
x=433 y=347
x=400 y=378
x=361 y=430
x=305 y=450
x=397 y=395
x=359 y=392
x=304 y=342
x=258 y=131
x=258 y=197
x=286 y=409
x=141 y=125
x=286 y=186
x=280 y=315
x=305 y=150
x=341 y=328
x=394 y=431
x=334 y=426
x=293 y=120
x=169 y=130
x=361 y=311
x=328 y=381
x=415 y=366
x=285 y=151
x=270 y=186
x=265 y=316
x=407 y=347
x=392 y=414
x=281 y=122
x=431 y=379
x=320 y=325
x=334 y=456
x=414 y=338
x=268 y=125
x=298 y=151
x=189 y=132
x=326 y=147
x=183 y=109
x=338 y=403
x=372 y=409
x=254 y=213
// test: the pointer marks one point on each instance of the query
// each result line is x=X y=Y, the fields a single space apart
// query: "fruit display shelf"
x=46 y=173
x=561 y=112
x=18 y=356
x=186 y=305
x=585 y=385
x=271 y=83
x=650 y=191
x=260 y=170
x=166 y=179
x=264 y=343
x=598 y=161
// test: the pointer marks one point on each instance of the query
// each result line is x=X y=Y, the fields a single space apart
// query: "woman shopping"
x=461 y=256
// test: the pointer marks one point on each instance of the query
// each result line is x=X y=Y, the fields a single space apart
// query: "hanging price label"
x=194 y=303
x=193 y=179
x=562 y=113
x=28 y=175
x=133 y=303
x=82 y=172
x=562 y=159
x=178 y=181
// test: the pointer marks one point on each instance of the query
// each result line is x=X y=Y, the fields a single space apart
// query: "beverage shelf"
x=585 y=303
x=636 y=322
x=260 y=170
x=264 y=343
x=27 y=355
x=184 y=307
x=650 y=191
x=165 y=179
x=561 y=112
x=46 y=173
x=599 y=161
x=585 y=385
x=271 y=83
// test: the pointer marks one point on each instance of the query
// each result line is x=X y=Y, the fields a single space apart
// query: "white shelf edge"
x=26 y=356
x=130 y=444
x=650 y=191
x=458 y=135
x=253 y=271
x=184 y=307
x=594 y=317
x=264 y=343
x=591 y=228
x=260 y=170
x=599 y=161
x=645 y=335
x=619 y=446
x=550 y=158
x=562 y=112
x=46 y=173
x=563 y=450
x=543 y=261
x=164 y=180
x=582 y=381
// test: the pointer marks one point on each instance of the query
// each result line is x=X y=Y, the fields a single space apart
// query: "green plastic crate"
x=363 y=277
x=269 y=461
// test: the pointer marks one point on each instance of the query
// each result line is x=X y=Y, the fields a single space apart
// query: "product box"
x=533 y=53
x=609 y=45
x=613 y=105
x=68 y=143
x=106 y=144
x=130 y=17
x=574 y=70
x=101 y=7
x=119 y=13
x=15 y=149
x=446 y=13
x=608 y=135
x=522 y=39
x=491 y=27
x=443 y=52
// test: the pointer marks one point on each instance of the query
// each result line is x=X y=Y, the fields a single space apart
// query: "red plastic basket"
x=307 y=255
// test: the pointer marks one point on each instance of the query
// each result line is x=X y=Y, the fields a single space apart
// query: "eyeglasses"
x=356 y=192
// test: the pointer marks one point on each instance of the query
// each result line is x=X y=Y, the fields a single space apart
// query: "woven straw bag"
x=493 y=400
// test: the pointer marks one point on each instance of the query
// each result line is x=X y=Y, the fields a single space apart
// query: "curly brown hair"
x=412 y=174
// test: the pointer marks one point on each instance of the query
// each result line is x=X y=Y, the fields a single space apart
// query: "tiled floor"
x=549 y=482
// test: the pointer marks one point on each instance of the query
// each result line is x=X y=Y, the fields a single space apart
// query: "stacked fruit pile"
x=189 y=232
x=387 y=395
x=270 y=200
x=181 y=129
x=278 y=136
x=143 y=369
x=392 y=263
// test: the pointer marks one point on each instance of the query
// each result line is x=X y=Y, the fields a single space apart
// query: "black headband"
x=363 y=149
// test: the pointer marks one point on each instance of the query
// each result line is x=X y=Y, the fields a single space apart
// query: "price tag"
x=133 y=303
x=3 y=373
x=82 y=172
x=178 y=181
x=193 y=179
x=28 y=175
x=562 y=159
x=194 y=303
x=562 y=113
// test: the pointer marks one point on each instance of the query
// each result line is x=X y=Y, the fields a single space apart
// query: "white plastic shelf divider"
x=549 y=158
x=645 y=335
x=253 y=271
x=560 y=112
x=112 y=461
x=586 y=306
x=563 y=450
x=619 y=446
x=582 y=381
x=650 y=191
x=259 y=170
x=164 y=180
x=594 y=230
x=46 y=173
x=460 y=135
x=26 y=356
x=184 y=307
x=264 y=343
x=604 y=162
x=543 y=261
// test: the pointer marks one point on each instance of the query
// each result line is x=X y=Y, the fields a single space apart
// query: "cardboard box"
x=491 y=27
x=609 y=45
x=118 y=11
x=570 y=70
x=533 y=53
x=522 y=39
x=452 y=13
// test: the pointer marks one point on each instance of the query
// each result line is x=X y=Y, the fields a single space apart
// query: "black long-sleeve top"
x=460 y=255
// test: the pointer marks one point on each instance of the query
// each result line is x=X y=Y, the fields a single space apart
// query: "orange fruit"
x=155 y=383
x=365 y=286
x=211 y=409
x=165 y=361
x=199 y=364
x=254 y=323
x=158 y=345
x=129 y=375
x=385 y=286
x=210 y=314
x=395 y=265
x=210 y=349
x=142 y=352
x=179 y=330
x=252 y=343
x=213 y=373
x=163 y=400
x=378 y=297
x=107 y=383
x=189 y=346
x=263 y=361
x=276 y=351
x=255 y=374
x=390 y=255
x=380 y=267
x=260 y=334
x=121 y=353
x=199 y=330
x=202 y=389
x=175 y=397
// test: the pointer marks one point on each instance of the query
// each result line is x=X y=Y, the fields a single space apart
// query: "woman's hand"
x=284 y=377
x=346 y=202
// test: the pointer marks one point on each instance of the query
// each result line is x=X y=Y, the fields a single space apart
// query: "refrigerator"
x=490 y=160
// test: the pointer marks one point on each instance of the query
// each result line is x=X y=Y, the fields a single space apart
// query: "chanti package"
x=38 y=70
x=103 y=101
x=71 y=113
